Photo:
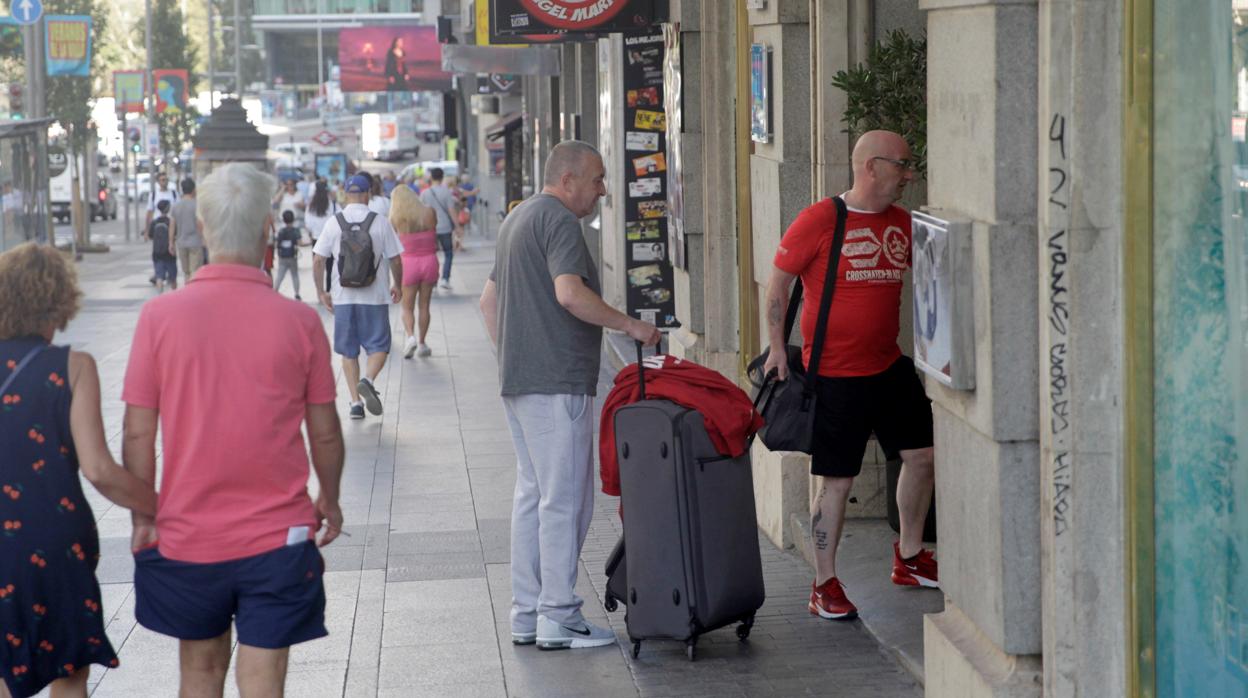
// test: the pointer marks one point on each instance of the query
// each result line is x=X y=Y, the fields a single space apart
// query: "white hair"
x=234 y=203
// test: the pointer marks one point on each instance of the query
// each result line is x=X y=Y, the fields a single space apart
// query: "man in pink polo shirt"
x=231 y=371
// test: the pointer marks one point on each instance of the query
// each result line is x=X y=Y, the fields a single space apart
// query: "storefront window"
x=1200 y=302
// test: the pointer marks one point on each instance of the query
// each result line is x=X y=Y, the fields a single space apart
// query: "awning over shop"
x=471 y=60
x=505 y=123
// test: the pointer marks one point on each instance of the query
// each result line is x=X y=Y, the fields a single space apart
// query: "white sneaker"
x=409 y=347
x=553 y=636
x=424 y=350
x=444 y=285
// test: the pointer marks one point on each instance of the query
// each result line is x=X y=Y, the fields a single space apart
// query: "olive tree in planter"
x=889 y=92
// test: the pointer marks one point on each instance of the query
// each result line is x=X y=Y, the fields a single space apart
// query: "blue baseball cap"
x=359 y=184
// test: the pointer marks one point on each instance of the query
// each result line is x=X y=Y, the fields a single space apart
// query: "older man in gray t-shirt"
x=543 y=309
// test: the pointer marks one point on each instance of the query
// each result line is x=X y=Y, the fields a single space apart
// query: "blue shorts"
x=358 y=326
x=166 y=268
x=275 y=599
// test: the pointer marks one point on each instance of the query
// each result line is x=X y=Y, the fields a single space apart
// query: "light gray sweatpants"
x=287 y=265
x=553 y=504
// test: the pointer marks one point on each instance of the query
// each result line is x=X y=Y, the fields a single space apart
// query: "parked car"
x=450 y=168
x=298 y=154
x=139 y=185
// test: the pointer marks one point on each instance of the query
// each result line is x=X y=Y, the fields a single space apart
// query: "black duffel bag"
x=789 y=406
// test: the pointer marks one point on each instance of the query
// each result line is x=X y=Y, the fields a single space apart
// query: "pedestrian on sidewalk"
x=544 y=312
x=164 y=257
x=288 y=240
x=440 y=198
x=50 y=615
x=231 y=372
x=186 y=232
x=365 y=253
x=320 y=209
x=865 y=383
x=415 y=224
x=377 y=201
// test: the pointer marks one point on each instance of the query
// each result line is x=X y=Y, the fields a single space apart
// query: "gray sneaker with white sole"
x=555 y=636
x=372 y=399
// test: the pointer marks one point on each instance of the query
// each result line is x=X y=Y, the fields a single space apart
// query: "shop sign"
x=944 y=316
x=511 y=17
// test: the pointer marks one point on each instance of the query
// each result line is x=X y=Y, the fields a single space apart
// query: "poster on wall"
x=570 y=17
x=68 y=47
x=760 y=93
x=332 y=167
x=944 y=343
x=647 y=161
x=391 y=59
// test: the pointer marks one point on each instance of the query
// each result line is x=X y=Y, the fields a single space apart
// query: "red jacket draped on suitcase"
x=726 y=409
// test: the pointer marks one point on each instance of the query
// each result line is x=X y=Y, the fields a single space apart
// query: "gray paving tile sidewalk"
x=418 y=594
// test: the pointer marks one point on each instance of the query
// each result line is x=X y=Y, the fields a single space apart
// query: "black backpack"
x=355 y=261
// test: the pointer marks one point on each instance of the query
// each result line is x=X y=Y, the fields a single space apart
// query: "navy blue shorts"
x=275 y=599
x=166 y=268
x=358 y=326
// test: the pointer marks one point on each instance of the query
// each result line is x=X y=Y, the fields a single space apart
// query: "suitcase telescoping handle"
x=641 y=367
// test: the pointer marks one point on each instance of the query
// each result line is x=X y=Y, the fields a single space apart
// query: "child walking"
x=164 y=257
x=288 y=240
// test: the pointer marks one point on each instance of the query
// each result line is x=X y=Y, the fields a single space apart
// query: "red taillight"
x=103 y=195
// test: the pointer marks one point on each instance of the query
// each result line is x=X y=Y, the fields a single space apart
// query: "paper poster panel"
x=171 y=90
x=647 y=250
x=391 y=59
x=68 y=45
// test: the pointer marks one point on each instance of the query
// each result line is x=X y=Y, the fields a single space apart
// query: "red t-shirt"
x=866 y=306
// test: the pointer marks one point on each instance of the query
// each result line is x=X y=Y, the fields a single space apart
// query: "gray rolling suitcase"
x=692 y=558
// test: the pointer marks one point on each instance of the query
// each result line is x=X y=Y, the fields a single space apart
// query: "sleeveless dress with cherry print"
x=51 y=622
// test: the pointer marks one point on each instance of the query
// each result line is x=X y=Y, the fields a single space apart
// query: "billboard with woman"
x=391 y=59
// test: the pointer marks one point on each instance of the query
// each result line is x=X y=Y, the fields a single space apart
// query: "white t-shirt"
x=381 y=205
x=386 y=246
x=162 y=195
x=290 y=201
x=315 y=223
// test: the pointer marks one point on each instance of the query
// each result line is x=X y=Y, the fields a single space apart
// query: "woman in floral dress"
x=51 y=621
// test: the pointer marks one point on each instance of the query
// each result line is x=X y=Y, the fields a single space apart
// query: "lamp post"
x=238 y=53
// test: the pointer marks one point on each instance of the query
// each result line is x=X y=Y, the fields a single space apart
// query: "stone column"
x=780 y=174
x=982 y=141
x=1080 y=321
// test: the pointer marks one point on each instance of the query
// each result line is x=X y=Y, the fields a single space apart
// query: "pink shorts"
x=420 y=269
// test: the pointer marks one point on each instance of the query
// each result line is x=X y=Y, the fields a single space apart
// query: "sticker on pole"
x=26 y=11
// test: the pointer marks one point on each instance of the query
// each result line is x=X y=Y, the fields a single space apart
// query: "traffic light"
x=16 y=108
x=136 y=148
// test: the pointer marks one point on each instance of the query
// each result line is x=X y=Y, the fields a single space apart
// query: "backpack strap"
x=342 y=222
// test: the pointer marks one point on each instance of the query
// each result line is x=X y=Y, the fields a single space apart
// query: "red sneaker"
x=828 y=601
x=918 y=571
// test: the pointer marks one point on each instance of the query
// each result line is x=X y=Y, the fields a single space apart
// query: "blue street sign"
x=26 y=11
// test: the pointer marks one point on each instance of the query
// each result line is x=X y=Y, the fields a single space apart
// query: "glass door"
x=1199 y=318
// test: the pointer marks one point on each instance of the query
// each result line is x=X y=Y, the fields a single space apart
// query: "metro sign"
x=325 y=138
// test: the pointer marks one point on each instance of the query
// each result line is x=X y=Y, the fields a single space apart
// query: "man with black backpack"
x=365 y=251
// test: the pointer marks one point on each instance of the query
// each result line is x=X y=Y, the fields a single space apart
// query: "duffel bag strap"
x=825 y=303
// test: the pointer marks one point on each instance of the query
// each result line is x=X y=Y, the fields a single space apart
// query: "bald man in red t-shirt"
x=865 y=383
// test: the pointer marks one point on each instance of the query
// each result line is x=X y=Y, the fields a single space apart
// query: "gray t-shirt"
x=543 y=348
x=440 y=199
x=183 y=214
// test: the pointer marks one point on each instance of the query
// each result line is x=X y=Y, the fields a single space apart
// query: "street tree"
x=172 y=49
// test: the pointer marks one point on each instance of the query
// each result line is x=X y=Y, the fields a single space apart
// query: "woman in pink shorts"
x=416 y=225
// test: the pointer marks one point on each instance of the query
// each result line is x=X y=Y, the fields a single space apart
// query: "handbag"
x=789 y=406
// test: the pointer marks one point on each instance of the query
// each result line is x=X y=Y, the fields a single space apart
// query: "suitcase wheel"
x=743 y=630
x=691 y=648
x=610 y=604
x=636 y=648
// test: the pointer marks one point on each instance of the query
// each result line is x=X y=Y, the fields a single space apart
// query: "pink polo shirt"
x=232 y=366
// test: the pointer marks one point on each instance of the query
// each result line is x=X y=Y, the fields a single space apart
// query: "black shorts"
x=892 y=404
